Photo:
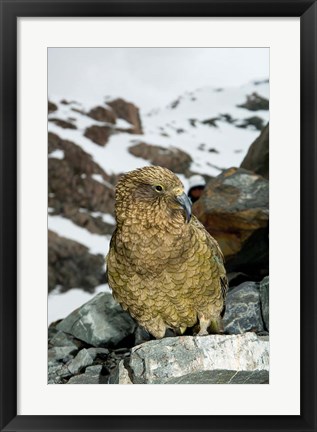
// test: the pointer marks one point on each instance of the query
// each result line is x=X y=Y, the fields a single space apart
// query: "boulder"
x=234 y=208
x=172 y=158
x=52 y=107
x=129 y=112
x=102 y=114
x=59 y=353
x=257 y=158
x=99 y=322
x=71 y=265
x=99 y=134
x=92 y=375
x=265 y=301
x=194 y=358
x=243 y=309
x=255 y=102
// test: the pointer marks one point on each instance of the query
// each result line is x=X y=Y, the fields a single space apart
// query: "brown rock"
x=235 y=210
x=71 y=185
x=99 y=134
x=51 y=107
x=129 y=112
x=255 y=102
x=62 y=123
x=257 y=158
x=102 y=114
x=70 y=265
x=172 y=158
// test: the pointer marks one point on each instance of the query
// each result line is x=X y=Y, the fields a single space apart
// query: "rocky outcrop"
x=187 y=359
x=70 y=265
x=76 y=181
x=257 y=158
x=255 y=102
x=129 y=112
x=234 y=208
x=102 y=114
x=172 y=158
x=99 y=322
x=99 y=134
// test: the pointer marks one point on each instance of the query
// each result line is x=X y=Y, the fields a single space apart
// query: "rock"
x=84 y=358
x=58 y=373
x=172 y=158
x=255 y=102
x=92 y=375
x=62 y=123
x=61 y=339
x=59 y=353
x=102 y=114
x=254 y=121
x=257 y=158
x=71 y=180
x=243 y=309
x=265 y=301
x=234 y=208
x=99 y=134
x=129 y=112
x=71 y=265
x=99 y=322
x=51 y=107
x=120 y=375
x=223 y=377
x=159 y=361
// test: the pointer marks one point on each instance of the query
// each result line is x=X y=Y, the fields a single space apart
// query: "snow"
x=62 y=304
x=96 y=244
x=57 y=154
x=123 y=124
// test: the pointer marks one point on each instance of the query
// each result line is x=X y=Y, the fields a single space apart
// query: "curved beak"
x=186 y=204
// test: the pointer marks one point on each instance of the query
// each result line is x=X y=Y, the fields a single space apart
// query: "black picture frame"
x=10 y=11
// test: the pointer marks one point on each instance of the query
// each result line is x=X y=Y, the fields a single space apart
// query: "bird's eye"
x=158 y=188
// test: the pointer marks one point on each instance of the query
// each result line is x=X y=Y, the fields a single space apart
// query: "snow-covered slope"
x=208 y=124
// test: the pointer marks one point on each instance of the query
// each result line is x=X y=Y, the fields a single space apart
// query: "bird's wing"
x=218 y=255
x=111 y=245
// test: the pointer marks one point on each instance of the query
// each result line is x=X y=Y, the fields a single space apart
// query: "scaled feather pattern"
x=164 y=268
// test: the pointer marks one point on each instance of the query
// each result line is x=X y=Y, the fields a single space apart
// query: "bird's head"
x=152 y=192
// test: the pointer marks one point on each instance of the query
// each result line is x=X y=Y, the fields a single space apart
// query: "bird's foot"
x=202 y=333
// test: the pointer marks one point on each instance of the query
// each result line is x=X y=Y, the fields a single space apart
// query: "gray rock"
x=99 y=322
x=84 y=358
x=223 y=377
x=120 y=375
x=265 y=301
x=59 y=353
x=243 y=309
x=160 y=361
x=92 y=375
x=57 y=373
x=61 y=339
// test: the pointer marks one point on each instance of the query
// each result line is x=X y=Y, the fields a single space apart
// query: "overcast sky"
x=149 y=77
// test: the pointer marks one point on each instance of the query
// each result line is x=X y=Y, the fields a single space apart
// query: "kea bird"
x=164 y=268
